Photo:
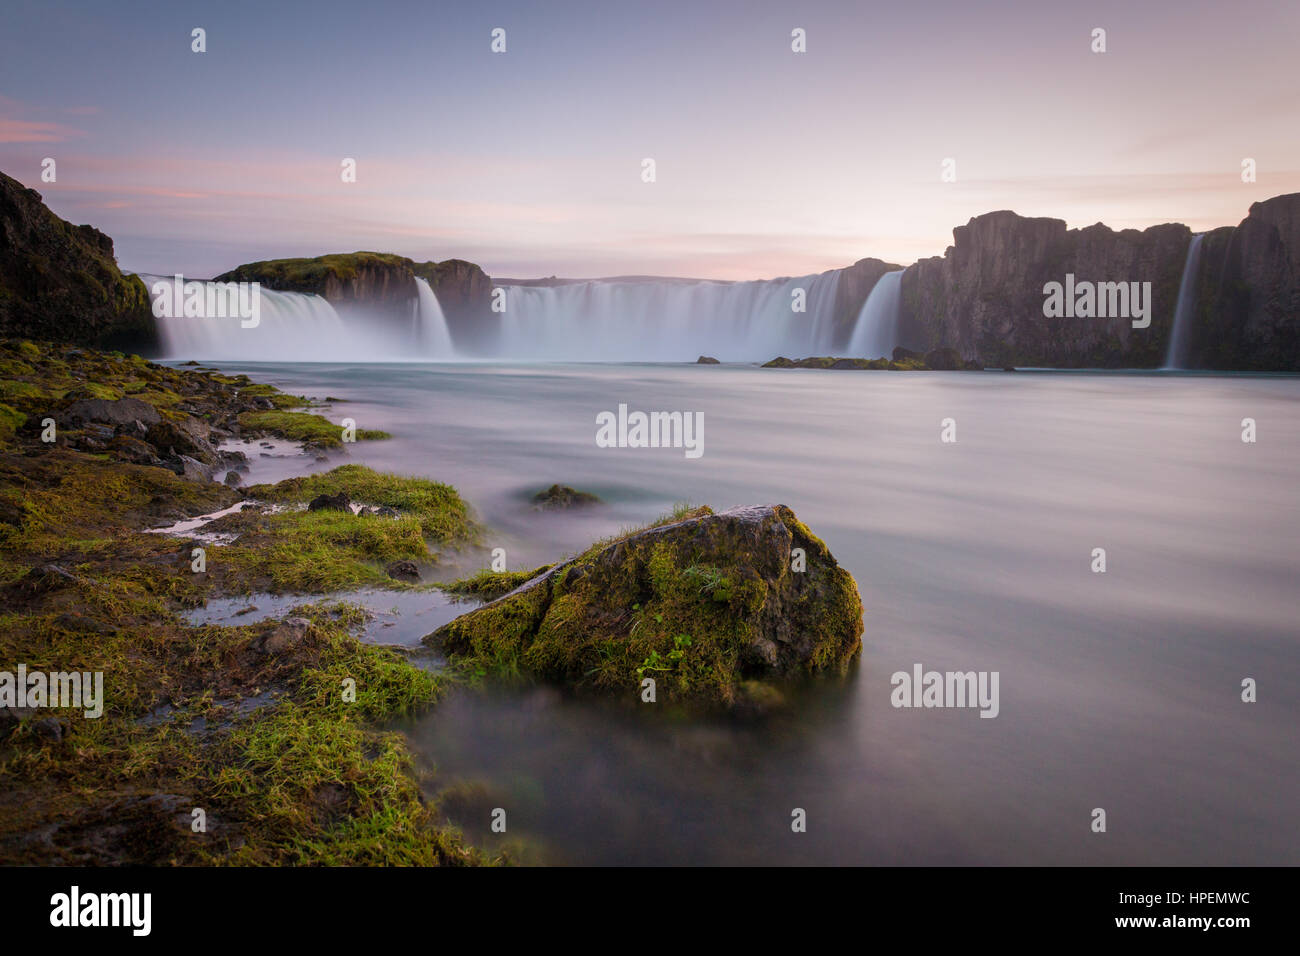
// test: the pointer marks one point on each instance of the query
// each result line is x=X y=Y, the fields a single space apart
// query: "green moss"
x=312 y=275
x=689 y=609
x=490 y=585
x=303 y=427
x=443 y=515
x=301 y=778
x=10 y=421
x=296 y=550
x=287 y=770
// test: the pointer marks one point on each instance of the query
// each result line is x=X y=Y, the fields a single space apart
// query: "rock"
x=286 y=636
x=124 y=411
x=186 y=437
x=233 y=479
x=403 y=571
x=700 y=604
x=756 y=698
x=336 y=502
x=48 y=728
x=61 y=282
x=707 y=360
x=562 y=496
x=907 y=355
x=944 y=360
x=133 y=451
x=79 y=623
x=188 y=468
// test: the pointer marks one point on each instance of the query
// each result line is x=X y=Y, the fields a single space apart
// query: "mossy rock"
x=562 y=496
x=702 y=605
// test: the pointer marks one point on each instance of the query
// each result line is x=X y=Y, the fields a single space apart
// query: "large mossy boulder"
x=712 y=606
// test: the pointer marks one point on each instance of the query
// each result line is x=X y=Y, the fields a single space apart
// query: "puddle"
x=398 y=618
x=188 y=527
x=268 y=460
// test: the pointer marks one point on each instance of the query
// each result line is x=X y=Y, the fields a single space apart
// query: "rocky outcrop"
x=384 y=283
x=984 y=297
x=1247 y=314
x=60 y=282
x=855 y=284
x=716 y=608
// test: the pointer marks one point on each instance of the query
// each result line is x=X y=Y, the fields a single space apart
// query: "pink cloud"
x=25 y=131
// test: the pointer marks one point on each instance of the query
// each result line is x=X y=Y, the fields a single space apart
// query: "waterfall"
x=600 y=320
x=876 y=332
x=288 y=326
x=668 y=320
x=1180 y=337
x=431 y=325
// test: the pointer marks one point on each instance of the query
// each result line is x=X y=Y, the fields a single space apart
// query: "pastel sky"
x=529 y=162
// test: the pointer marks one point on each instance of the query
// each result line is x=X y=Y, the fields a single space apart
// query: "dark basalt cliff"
x=1248 y=292
x=984 y=296
x=60 y=282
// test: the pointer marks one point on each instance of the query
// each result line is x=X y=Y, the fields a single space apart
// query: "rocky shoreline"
x=270 y=734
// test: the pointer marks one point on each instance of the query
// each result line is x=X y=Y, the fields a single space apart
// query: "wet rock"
x=758 y=699
x=336 y=502
x=188 y=437
x=700 y=604
x=188 y=468
x=944 y=360
x=286 y=636
x=132 y=451
x=233 y=478
x=120 y=412
x=562 y=496
x=403 y=571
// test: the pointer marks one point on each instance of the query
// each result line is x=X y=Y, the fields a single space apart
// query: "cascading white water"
x=434 y=339
x=876 y=332
x=668 y=320
x=1181 y=337
x=295 y=327
x=289 y=326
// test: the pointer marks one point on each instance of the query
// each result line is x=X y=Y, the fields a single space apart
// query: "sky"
x=529 y=162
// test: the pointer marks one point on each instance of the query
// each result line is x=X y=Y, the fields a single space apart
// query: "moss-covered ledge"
x=715 y=607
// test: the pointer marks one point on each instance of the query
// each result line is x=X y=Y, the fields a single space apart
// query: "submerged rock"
x=403 y=570
x=562 y=496
x=702 y=605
